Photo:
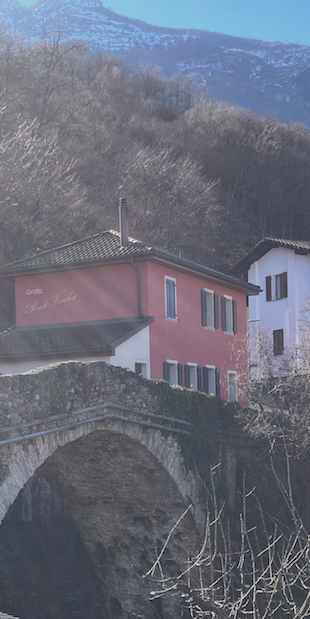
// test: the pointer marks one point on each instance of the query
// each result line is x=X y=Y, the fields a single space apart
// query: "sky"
x=269 y=20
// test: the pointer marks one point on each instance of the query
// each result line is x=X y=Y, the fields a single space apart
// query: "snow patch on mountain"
x=246 y=72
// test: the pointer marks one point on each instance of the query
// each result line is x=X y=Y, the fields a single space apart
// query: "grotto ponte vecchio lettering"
x=60 y=297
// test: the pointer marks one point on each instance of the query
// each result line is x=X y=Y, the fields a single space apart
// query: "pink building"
x=131 y=305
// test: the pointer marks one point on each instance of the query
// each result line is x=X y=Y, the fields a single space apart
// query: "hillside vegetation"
x=78 y=130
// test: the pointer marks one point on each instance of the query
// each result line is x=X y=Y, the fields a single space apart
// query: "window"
x=209 y=309
x=281 y=286
x=232 y=388
x=140 y=369
x=278 y=342
x=276 y=287
x=211 y=380
x=191 y=376
x=229 y=315
x=171 y=298
x=173 y=372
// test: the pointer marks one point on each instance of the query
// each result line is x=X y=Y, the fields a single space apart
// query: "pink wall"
x=111 y=292
x=78 y=295
x=187 y=340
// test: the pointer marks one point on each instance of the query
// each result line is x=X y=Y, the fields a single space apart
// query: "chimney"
x=123 y=222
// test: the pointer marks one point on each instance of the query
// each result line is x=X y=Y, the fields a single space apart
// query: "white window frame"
x=232 y=373
x=211 y=294
x=213 y=368
x=173 y=378
x=194 y=384
x=231 y=312
x=172 y=279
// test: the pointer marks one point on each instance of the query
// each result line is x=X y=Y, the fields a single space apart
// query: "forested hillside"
x=260 y=75
x=78 y=130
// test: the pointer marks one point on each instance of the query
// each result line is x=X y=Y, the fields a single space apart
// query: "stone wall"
x=124 y=480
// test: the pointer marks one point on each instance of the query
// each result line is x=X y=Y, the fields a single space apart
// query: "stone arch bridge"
x=127 y=457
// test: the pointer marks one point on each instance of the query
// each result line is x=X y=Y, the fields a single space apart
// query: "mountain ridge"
x=267 y=77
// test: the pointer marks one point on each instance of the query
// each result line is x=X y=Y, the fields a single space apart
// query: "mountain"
x=269 y=78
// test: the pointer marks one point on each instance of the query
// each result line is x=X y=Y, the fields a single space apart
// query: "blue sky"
x=270 y=20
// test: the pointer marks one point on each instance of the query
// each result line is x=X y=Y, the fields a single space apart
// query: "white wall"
x=134 y=350
x=286 y=313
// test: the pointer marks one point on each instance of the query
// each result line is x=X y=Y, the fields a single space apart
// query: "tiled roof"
x=95 y=248
x=104 y=248
x=81 y=339
x=291 y=244
x=264 y=246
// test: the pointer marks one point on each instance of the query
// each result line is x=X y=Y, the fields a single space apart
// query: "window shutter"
x=216 y=311
x=223 y=303
x=234 y=308
x=187 y=376
x=180 y=374
x=217 y=383
x=268 y=288
x=199 y=378
x=284 y=285
x=205 y=380
x=204 y=308
x=166 y=372
x=278 y=342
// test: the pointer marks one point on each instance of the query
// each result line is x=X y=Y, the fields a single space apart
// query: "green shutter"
x=166 y=371
x=180 y=374
x=217 y=383
x=234 y=308
x=199 y=378
x=223 y=303
x=205 y=380
x=216 y=311
x=187 y=376
x=204 y=308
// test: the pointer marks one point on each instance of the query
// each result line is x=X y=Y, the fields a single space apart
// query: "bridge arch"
x=26 y=458
x=122 y=478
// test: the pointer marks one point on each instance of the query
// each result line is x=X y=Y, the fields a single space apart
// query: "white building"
x=281 y=268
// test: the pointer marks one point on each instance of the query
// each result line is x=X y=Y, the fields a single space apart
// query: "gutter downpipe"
x=138 y=272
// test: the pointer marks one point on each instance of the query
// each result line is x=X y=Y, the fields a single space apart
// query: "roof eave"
x=209 y=273
x=108 y=352
x=71 y=266
x=262 y=248
x=152 y=254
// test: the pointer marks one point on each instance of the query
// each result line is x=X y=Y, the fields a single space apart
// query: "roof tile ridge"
x=50 y=251
x=135 y=241
x=281 y=240
x=8 y=330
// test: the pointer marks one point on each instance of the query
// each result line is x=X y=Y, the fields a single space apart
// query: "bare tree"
x=173 y=206
x=40 y=198
x=257 y=571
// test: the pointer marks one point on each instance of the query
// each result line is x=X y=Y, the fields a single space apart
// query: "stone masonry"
x=125 y=456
